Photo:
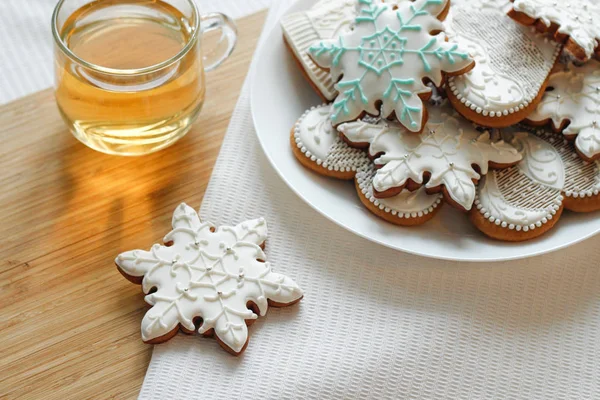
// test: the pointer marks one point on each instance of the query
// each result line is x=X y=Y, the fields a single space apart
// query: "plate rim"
x=254 y=71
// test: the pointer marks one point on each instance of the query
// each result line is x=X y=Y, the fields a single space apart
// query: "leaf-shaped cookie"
x=572 y=103
x=450 y=157
x=574 y=23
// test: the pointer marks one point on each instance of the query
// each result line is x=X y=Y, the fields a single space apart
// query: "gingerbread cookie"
x=406 y=208
x=513 y=63
x=380 y=65
x=213 y=280
x=572 y=103
x=581 y=190
x=319 y=147
x=449 y=158
x=574 y=23
x=327 y=19
x=525 y=201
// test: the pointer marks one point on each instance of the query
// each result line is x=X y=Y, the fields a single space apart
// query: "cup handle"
x=223 y=49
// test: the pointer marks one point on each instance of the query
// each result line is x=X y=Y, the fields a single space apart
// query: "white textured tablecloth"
x=380 y=324
x=374 y=323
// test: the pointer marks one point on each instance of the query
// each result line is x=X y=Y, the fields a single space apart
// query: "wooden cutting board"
x=69 y=322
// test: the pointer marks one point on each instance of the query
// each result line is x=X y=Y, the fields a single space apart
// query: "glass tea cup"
x=129 y=74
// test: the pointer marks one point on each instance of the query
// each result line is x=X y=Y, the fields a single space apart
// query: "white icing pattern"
x=321 y=143
x=529 y=195
x=526 y=196
x=575 y=18
x=512 y=61
x=327 y=19
x=404 y=205
x=574 y=95
x=447 y=153
x=385 y=58
x=207 y=274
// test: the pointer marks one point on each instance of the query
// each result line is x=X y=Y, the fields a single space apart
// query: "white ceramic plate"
x=279 y=96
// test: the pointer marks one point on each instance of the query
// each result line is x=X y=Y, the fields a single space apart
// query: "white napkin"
x=376 y=323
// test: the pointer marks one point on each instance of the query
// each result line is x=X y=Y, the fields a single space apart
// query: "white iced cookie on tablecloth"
x=572 y=104
x=327 y=19
x=512 y=63
x=525 y=201
x=450 y=157
x=319 y=147
x=215 y=281
x=573 y=22
x=380 y=65
x=406 y=209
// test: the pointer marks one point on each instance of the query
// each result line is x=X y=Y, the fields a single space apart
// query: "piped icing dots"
x=527 y=196
x=512 y=61
x=321 y=143
x=406 y=205
x=446 y=154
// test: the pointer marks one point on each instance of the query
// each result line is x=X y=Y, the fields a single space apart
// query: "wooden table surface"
x=69 y=322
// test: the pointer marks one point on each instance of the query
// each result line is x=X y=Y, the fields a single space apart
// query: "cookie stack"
x=491 y=106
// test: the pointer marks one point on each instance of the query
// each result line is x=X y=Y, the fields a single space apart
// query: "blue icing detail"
x=382 y=53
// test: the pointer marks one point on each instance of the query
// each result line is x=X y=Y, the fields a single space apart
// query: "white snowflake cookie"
x=213 y=280
x=449 y=158
x=573 y=22
x=380 y=65
x=512 y=63
x=572 y=103
x=525 y=201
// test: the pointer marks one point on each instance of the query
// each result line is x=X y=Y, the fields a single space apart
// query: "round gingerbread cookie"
x=513 y=63
x=525 y=201
x=572 y=104
x=319 y=147
x=572 y=22
x=215 y=281
x=405 y=209
x=450 y=158
x=380 y=66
